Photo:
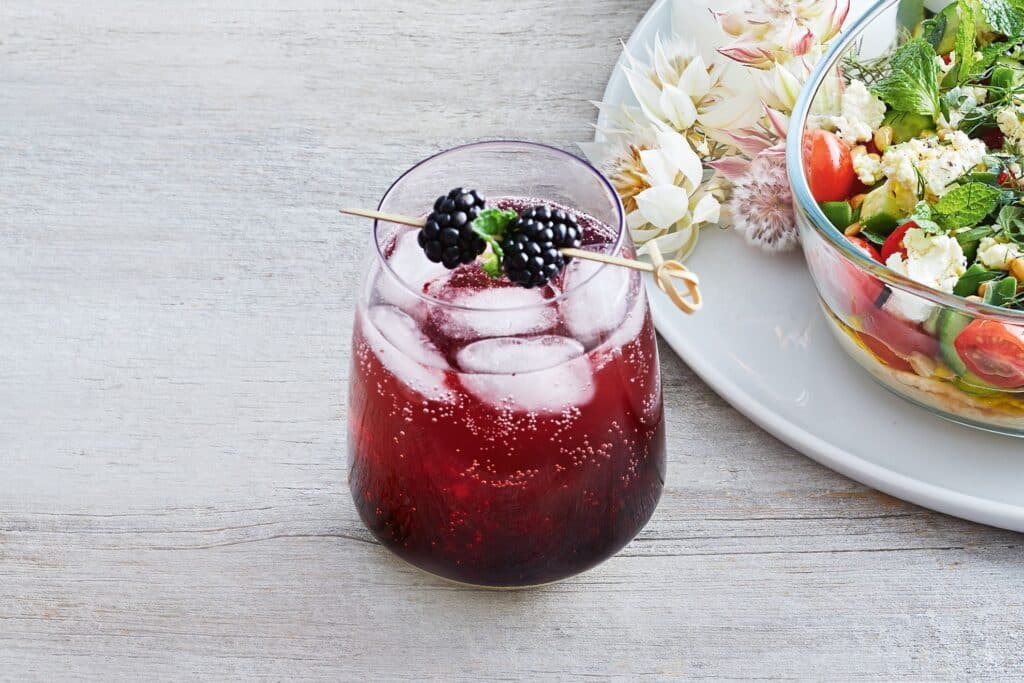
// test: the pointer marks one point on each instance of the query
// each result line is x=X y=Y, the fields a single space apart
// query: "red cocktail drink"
x=499 y=435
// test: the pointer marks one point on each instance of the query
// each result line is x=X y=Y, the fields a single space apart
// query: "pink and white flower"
x=769 y=31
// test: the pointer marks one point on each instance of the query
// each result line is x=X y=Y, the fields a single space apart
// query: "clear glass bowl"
x=504 y=436
x=862 y=299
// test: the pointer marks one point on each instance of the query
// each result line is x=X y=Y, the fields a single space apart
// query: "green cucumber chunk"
x=840 y=214
x=907 y=125
x=950 y=325
x=952 y=22
x=880 y=212
x=970 y=281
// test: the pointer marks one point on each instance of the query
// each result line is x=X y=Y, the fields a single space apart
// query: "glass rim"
x=526 y=145
x=806 y=203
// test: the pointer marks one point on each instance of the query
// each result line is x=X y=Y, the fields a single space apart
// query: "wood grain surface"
x=176 y=298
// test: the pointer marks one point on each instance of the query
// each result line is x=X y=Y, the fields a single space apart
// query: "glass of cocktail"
x=501 y=435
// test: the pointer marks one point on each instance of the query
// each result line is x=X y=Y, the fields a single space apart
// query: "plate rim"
x=932 y=496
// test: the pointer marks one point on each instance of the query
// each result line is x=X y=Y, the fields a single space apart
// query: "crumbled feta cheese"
x=997 y=255
x=939 y=161
x=1011 y=122
x=936 y=261
x=860 y=113
x=868 y=167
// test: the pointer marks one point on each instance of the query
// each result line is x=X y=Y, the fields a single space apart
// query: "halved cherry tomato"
x=894 y=242
x=829 y=166
x=884 y=353
x=866 y=247
x=993 y=352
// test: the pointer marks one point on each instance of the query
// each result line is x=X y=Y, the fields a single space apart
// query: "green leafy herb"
x=911 y=84
x=1004 y=16
x=970 y=239
x=1011 y=223
x=991 y=52
x=966 y=206
x=970 y=281
x=876 y=237
x=924 y=217
x=963 y=46
x=491 y=225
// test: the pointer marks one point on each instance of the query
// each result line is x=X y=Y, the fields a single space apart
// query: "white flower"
x=761 y=205
x=658 y=177
x=677 y=88
x=779 y=86
x=767 y=31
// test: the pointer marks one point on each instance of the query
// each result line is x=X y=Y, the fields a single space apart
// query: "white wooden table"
x=175 y=309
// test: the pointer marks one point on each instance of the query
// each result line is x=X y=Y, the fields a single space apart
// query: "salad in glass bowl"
x=906 y=163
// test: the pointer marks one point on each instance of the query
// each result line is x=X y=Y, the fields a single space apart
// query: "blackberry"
x=531 y=246
x=448 y=236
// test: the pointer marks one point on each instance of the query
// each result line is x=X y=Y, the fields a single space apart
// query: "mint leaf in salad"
x=963 y=45
x=1004 y=16
x=912 y=82
x=966 y=206
x=991 y=52
x=491 y=225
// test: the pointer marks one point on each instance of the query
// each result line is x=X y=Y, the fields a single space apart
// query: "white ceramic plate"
x=761 y=342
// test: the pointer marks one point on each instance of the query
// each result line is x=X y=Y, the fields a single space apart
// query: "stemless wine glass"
x=498 y=435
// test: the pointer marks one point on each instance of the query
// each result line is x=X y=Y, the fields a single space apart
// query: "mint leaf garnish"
x=966 y=206
x=1004 y=16
x=912 y=83
x=963 y=45
x=491 y=225
x=493 y=222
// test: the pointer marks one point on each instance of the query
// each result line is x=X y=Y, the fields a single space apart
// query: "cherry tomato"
x=902 y=336
x=884 y=353
x=894 y=242
x=993 y=352
x=947 y=58
x=866 y=247
x=1007 y=179
x=828 y=165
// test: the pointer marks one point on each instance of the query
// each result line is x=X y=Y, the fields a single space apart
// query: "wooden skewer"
x=664 y=270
